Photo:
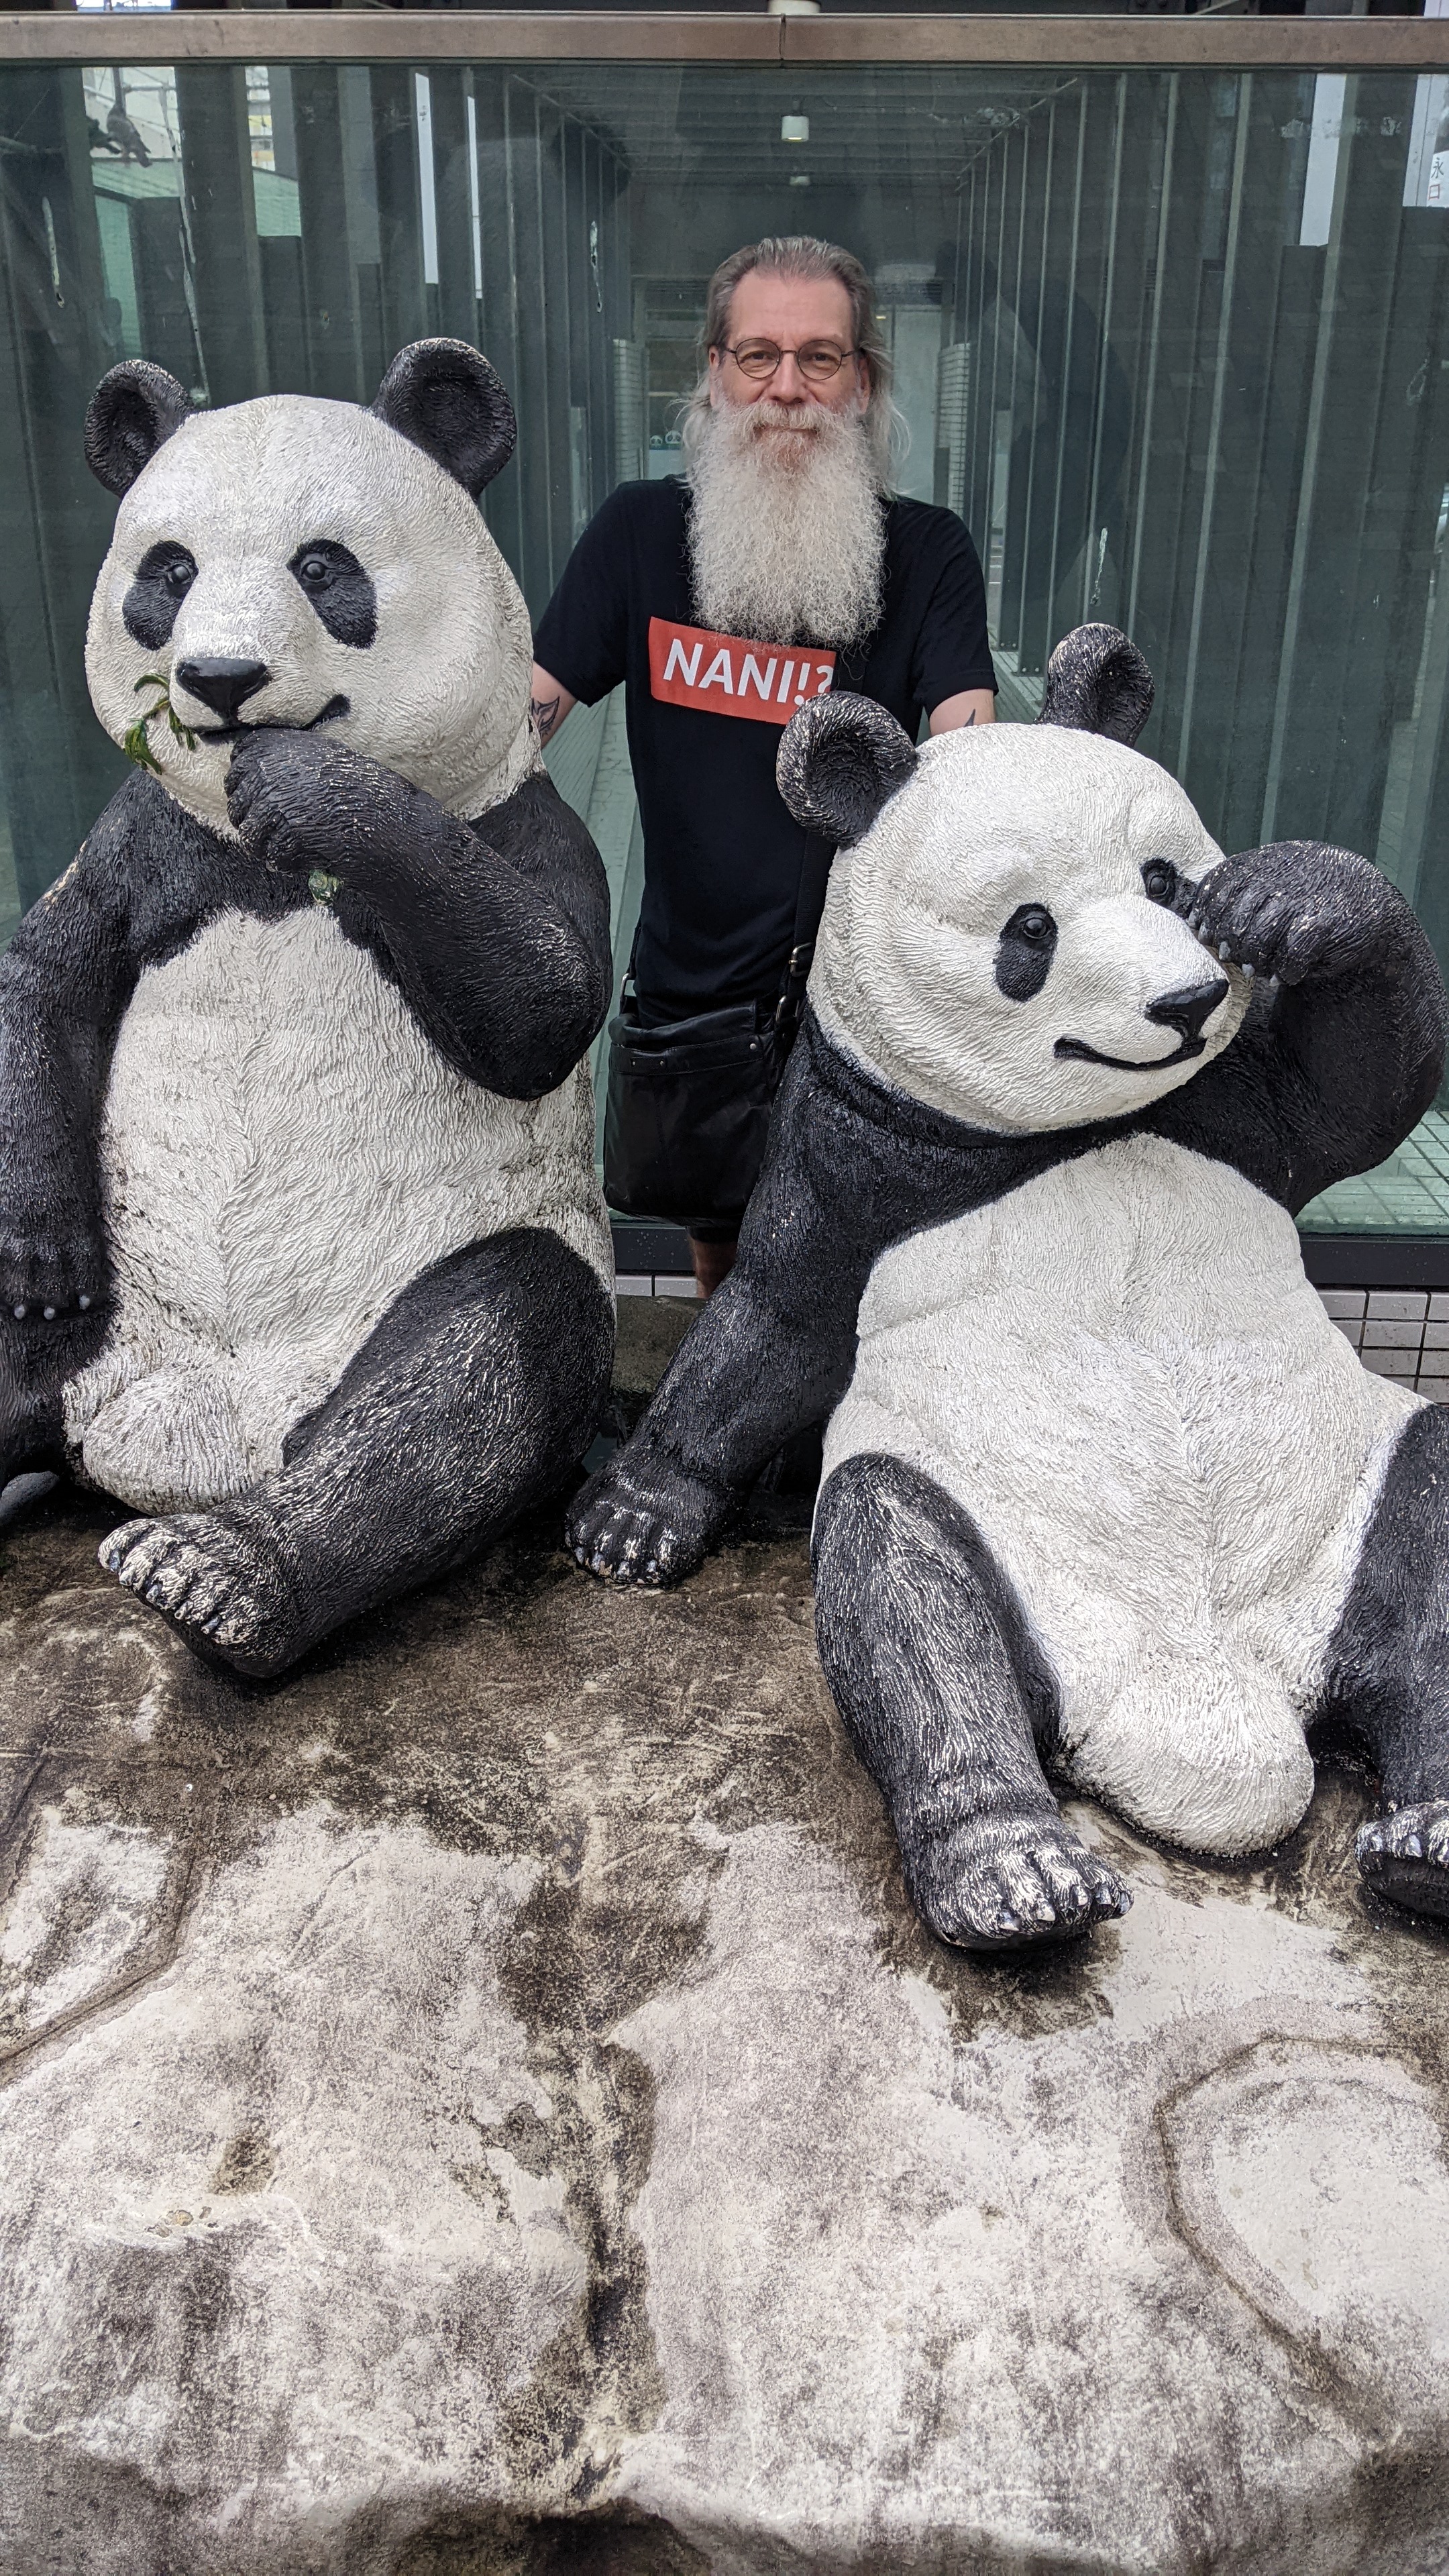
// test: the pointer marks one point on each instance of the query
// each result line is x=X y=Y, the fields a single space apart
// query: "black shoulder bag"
x=689 y=1104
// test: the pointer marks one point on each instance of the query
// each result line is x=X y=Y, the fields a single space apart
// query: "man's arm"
x=968 y=707
x=549 y=703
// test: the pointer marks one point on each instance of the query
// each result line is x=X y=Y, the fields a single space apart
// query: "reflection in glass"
x=1170 y=342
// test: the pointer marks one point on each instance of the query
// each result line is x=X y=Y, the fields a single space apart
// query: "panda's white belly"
x=283 y=1151
x=1122 y=1374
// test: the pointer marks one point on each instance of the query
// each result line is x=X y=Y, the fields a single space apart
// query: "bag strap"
x=809 y=905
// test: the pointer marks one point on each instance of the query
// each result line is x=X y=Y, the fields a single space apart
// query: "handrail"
x=1213 y=41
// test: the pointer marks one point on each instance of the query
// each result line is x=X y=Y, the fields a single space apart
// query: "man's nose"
x=788 y=385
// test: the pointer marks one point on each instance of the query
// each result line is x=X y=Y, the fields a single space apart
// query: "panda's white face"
x=1001 y=942
x=346 y=579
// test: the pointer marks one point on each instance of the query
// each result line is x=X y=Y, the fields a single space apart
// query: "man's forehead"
x=764 y=301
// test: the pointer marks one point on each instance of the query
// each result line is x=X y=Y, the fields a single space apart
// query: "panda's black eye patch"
x=164 y=575
x=1159 y=880
x=1024 y=952
x=339 y=590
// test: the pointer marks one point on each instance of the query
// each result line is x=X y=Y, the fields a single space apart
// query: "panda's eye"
x=1024 y=952
x=164 y=575
x=1159 y=880
x=339 y=589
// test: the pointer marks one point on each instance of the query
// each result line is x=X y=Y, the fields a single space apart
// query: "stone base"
x=485 y=2104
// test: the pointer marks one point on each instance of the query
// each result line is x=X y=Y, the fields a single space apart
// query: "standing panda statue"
x=1104 y=1491
x=302 y=1255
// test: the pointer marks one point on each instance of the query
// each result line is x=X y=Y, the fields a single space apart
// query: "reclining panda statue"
x=302 y=1256
x=1104 y=1492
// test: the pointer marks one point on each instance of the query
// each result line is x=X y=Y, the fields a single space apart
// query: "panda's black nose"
x=1190 y=1008
x=222 y=685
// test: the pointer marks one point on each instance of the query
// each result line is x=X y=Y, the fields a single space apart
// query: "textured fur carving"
x=1104 y=1490
x=300 y=1240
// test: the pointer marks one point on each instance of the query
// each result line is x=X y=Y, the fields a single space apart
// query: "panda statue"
x=1105 y=1494
x=302 y=1256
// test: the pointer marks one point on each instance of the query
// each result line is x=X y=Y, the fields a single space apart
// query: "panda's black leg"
x=1388 y=1668
x=35 y=1361
x=469 y=1401
x=934 y=1671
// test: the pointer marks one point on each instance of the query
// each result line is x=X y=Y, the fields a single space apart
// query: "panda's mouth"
x=330 y=714
x=1085 y=1054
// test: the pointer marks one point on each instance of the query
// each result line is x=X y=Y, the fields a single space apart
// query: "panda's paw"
x=301 y=800
x=217 y=1581
x=1293 y=910
x=1404 y=1856
x=1011 y=1882
x=628 y=1530
x=53 y=1266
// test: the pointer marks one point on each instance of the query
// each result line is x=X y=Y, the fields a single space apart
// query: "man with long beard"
x=778 y=566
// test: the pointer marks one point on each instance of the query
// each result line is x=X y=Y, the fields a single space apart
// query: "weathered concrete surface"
x=485 y=2104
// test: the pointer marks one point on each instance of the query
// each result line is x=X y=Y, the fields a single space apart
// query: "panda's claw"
x=1404 y=1856
x=1008 y=1881
x=626 y=1530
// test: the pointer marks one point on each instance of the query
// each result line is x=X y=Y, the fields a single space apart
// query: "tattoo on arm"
x=544 y=712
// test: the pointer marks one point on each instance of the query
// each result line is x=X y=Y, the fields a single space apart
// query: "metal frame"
x=1210 y=42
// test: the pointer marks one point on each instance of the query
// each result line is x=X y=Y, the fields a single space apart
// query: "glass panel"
x=1174 y=344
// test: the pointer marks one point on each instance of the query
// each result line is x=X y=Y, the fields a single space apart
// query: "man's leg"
x=471 y=1399
x=712 y=1249
x=931 y=1665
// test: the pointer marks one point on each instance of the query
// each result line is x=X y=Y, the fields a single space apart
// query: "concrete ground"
x=484 y=2103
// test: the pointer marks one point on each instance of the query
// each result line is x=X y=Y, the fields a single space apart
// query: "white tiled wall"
x=1397 y=1332
x=659 y=1283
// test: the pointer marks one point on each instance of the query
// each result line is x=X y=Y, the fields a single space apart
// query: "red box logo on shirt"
x=728 y=676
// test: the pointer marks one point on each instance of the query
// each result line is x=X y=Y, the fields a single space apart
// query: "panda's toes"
x=1009 y=1883
x=217 y=1581
x=627 y=1530
x=1404 y=1856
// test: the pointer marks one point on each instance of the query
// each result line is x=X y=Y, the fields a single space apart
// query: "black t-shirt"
x=722 y=856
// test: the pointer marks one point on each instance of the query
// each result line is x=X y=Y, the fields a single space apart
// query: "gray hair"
x=802 y=255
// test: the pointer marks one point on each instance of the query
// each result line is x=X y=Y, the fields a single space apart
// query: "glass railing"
x=1172 y=337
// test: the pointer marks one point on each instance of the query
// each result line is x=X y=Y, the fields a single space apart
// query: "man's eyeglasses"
x=818 y=361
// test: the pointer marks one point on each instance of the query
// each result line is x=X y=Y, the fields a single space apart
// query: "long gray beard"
x=785 y=553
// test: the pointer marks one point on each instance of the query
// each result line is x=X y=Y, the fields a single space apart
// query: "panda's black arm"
x=772 y=1352
x=496 y=933
x=64 y=982
x=1340 y=1055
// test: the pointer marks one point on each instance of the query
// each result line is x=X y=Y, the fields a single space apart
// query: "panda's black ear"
x=1097 y=682
x=132 y=412
x=446 y=398
x=839 y=761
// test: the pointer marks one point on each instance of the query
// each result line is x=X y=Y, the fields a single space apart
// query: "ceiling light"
x=794 y=129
